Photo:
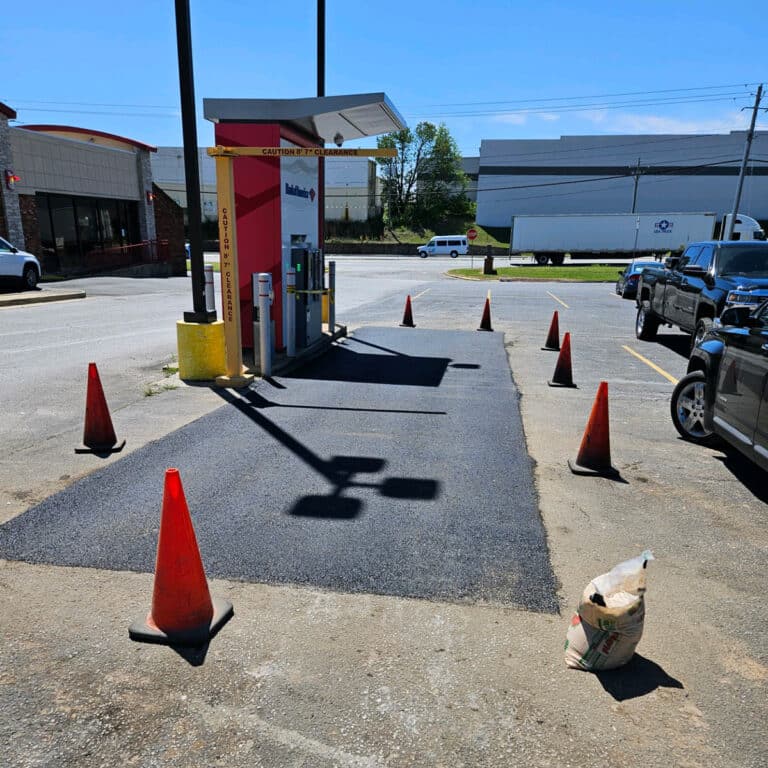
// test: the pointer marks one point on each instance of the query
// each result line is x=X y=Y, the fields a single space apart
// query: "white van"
x=19 y=264
x=445 y=245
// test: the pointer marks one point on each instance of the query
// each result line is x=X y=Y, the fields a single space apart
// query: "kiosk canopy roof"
x=354 y=116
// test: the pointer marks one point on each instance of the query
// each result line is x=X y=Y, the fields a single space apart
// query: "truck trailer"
x=617 y=235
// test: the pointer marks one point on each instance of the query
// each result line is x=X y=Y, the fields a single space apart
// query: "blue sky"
x=487 y=69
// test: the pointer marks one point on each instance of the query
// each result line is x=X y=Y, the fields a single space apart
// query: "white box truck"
x=617 y=235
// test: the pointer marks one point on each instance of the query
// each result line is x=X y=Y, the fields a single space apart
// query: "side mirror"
x=14 y=249
x=671 y=262
x=738 y=316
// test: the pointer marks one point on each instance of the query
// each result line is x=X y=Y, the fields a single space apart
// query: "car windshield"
x=639 y=266
x=744 y=260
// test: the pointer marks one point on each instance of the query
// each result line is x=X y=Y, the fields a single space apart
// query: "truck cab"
x=744 y=228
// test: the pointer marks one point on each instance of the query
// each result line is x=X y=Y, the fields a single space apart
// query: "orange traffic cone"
x=485 y=322
x=408 y=315
x=595 y=451
x=563 y=376
x=553 y=337
x=182 y=611
x=98 y=434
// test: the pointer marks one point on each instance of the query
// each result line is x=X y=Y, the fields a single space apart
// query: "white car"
x=19 y=264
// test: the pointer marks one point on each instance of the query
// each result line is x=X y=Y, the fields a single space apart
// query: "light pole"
x=199 y=314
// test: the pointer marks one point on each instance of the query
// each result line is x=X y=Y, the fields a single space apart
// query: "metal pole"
x=290 y=313
x=737 y=200
x=265 y=326
x=210 y=302
x=331 y=296
x=321 y=93
x=321 y=47
x=637 y=180
x=200 y=313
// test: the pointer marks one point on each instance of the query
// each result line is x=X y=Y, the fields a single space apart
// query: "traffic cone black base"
x=101 y=448
x=608 y=471
x=144 y=632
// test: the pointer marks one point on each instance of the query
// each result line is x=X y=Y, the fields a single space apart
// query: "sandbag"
x=608 y=625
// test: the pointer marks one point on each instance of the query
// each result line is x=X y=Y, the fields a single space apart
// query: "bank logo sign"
x=296 y=191
x=663 y=226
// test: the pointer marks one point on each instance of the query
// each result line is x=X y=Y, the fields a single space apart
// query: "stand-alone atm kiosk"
x=279 y=200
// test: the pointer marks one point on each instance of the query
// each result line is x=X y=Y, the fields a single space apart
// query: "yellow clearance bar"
x=297 y=152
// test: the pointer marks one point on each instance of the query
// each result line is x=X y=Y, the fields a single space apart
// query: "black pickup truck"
x=691 y=290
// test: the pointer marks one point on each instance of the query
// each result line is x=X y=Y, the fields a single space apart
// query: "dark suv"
x=725 y=393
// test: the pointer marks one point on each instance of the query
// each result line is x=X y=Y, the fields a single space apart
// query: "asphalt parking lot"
x=329 y=674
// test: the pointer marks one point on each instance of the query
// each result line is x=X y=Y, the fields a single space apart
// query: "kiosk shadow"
x=345 y=364
x=638 y=677
x=341 y=472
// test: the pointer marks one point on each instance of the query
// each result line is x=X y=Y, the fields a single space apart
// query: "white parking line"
x=558 y=300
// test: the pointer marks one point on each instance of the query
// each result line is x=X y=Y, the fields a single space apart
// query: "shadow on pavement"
x=340 y=471
x=747 y=473
x=678 y=343
x=371 y=368
x=639 y=677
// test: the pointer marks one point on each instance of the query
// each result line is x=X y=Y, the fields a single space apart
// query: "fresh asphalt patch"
x=396 y=464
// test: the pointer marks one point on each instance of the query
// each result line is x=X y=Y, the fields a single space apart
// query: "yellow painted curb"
x=201 y=350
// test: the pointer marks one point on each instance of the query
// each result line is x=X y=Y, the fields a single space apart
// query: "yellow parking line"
x=421 y=294
x=651 y=365
x=556 y=299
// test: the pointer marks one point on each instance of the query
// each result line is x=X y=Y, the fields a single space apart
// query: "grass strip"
x=582 y=273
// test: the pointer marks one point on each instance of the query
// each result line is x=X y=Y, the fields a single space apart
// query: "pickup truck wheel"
x=541 y=259
x=423 y=254
x=701 y=331
x=688 y=406
x=647 y=323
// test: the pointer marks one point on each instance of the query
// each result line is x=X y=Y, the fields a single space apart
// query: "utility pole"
x=750 y=134
x=636 y=174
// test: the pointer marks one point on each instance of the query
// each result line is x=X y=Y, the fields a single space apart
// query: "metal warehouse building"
x=607 y=174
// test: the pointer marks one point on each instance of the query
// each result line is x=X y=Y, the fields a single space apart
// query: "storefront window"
x=65 y=231
x=82 y=234
x=49 y=258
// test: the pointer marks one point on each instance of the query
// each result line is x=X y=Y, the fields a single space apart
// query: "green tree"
x=424 y=183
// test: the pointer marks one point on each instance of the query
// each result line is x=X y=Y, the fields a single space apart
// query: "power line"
x=596 y=106
x=597 y=96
